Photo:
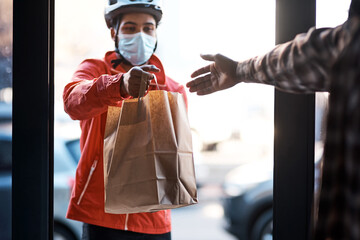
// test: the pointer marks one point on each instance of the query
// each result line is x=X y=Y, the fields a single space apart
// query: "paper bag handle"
x=157 y=84
x=143 y=85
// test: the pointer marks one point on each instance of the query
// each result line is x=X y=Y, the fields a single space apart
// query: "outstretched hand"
x=131 y=80
x=219 y=75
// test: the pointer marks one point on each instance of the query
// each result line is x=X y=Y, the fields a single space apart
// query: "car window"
x=5 y=111
x=63 y=161
x=5 y=155
x=74 y=149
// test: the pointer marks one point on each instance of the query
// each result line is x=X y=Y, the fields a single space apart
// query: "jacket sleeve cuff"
x=108 y=87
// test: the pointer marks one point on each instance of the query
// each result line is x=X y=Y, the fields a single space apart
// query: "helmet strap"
x=117 y=26
x=121 y=59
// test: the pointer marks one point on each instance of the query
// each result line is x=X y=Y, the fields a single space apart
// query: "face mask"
x=137 y=48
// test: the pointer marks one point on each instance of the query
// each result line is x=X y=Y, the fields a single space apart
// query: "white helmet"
x=115 y=8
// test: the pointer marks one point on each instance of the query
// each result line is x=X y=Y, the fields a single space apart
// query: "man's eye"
x=129 y=29
x=148 y=29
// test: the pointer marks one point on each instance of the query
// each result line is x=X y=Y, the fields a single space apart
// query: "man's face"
x=136 y=22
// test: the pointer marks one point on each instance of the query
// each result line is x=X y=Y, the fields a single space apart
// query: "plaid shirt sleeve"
x=300 y=66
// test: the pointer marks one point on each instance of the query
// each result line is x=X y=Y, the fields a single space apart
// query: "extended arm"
x=302 y=65
x=93 y=89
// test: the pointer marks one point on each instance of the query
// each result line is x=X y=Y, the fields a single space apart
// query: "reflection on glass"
x=5 y=117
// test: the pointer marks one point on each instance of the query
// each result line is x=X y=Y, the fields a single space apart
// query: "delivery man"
x=99 y=83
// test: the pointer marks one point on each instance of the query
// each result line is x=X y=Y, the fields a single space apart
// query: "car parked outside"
x=66 y=155
x=248 y=211
x=249 y=200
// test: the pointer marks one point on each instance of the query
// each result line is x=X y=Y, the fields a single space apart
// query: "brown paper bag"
x=148 y=157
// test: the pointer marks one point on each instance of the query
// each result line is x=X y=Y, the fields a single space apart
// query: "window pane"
x=232 y=129
x=72 y=36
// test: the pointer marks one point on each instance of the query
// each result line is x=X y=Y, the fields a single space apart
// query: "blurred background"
x=233 y=130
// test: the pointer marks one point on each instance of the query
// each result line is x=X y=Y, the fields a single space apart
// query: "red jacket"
x=95 y=86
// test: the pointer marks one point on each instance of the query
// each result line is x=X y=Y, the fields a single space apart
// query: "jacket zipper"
x=126 y=222
x=92 y=169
